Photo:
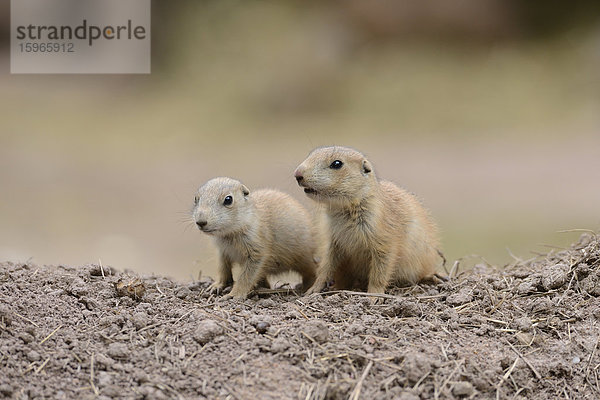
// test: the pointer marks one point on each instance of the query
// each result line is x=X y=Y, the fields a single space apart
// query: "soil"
x=529 y=330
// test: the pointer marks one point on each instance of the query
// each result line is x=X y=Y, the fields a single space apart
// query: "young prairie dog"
x=266 y=232
x=379 y=234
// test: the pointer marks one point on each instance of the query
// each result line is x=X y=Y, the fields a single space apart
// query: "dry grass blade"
x=311 y=339
x=453 y=269
x=355 y=395
x=232 y=392
x=364 y=294
x=587 y=368
x=416 y=386
x=27 y=319
x=301 y=312
x=101 y=269
x=444 y=261
x=456 y=368
x=50 y=335
x=263 y=292
x=94 y=388
x=38 y=369
x=593 y=233
x=531 y=367
x=505 y=377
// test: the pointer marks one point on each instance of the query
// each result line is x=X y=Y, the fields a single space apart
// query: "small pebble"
x=576 y=360
x=33 y=356
x=262 y=327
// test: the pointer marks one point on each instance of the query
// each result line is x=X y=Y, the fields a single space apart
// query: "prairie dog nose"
x=299 y=175
x=201 y=223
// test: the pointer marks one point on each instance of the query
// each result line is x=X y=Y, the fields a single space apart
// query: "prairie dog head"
x=336 y=175
x=222 y=207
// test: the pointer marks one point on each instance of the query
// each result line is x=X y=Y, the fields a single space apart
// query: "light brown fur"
x=379 y=234
x=266 y=232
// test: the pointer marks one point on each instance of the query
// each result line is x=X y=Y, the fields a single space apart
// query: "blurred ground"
x=500 y=138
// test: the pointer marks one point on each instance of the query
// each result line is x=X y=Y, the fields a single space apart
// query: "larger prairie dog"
x=379 y=234
x=266 y=232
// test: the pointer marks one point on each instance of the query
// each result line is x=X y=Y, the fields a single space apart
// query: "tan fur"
x=379 y=234
x=266 y=232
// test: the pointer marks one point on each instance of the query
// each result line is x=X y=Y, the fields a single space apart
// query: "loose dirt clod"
x=555 y=276
x=462 y=297
x=462 y=389
x=523 y=324
x=529 y=330
x=316 y=331
x=118 y=350
x=206 y=331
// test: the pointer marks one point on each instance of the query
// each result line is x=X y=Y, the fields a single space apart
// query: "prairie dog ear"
x=245 y=190
x=366 y=166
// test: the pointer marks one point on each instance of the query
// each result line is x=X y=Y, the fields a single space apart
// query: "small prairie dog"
x=266 y=232
x=378 y=233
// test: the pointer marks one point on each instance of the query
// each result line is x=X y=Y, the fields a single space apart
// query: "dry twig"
x=50 y=335
x=535 y=372
x=355 y=395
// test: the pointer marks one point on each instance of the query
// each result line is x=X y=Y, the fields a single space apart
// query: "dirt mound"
x=527 y=331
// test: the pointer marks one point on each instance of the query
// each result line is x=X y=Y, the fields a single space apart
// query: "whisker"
x=187 y=227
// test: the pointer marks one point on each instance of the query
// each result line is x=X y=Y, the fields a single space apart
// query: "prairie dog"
x=266 y=232
x=379 y=234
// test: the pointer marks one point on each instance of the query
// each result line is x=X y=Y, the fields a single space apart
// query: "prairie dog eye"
x=337 y=164
x=227 y=201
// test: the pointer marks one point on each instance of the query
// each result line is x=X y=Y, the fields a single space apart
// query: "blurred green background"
x=489 y=110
